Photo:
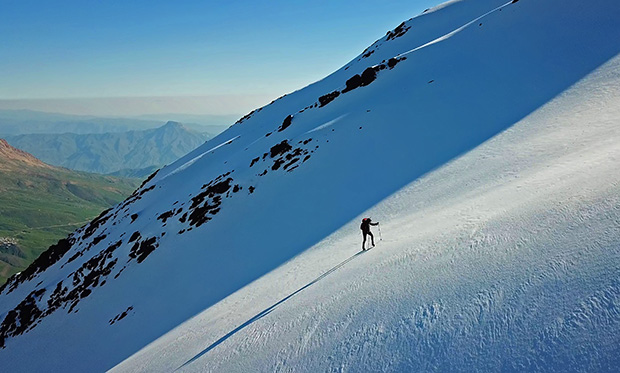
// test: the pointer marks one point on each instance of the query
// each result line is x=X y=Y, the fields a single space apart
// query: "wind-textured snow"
x=489 y=155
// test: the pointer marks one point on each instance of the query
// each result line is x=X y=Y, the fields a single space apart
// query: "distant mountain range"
x=40 y=203
x=131 y=153
x=18 y=122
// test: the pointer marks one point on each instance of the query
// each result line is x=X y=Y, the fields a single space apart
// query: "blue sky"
x=89 y=49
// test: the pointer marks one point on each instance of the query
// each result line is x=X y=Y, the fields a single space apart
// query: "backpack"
x=365 y=222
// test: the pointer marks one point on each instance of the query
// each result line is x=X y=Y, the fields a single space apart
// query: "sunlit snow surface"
x=506 y=259
x=490 y=157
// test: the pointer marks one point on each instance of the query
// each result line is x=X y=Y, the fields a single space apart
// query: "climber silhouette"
x=365 y=227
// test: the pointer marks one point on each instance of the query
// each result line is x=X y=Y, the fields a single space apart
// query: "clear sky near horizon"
x=199 y=57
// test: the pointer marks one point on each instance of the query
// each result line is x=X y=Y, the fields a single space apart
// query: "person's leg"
x=364 y=241
x=372 y=238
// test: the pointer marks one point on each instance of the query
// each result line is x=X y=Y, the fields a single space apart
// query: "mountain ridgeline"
x=132 y=153
x=455 y=131
x=22 y=122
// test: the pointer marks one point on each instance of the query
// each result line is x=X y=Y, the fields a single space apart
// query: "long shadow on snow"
x=535 y=86
x=268 y=310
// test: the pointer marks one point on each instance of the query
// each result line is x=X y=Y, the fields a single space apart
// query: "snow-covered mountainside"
x=481 y=134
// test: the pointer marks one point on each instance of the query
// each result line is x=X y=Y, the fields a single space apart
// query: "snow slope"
x=505 y=259
x=242 y=256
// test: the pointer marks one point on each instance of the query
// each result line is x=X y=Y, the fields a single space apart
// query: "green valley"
x=39 y=204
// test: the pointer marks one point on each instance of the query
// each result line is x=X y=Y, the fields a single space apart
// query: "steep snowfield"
x=242 y=256
x=505 y=259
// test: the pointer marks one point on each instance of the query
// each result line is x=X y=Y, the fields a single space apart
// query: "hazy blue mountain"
x=204 y=123
x=133 y=153
x=20 y=122
x=17 y=122
x=140 y=173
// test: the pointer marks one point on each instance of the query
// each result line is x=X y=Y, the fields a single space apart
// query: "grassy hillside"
x=40 y=204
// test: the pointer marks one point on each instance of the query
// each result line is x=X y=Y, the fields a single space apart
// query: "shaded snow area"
x=487 y=150
x=506 y=259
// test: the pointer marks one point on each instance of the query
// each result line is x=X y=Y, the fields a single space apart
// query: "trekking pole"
x=379 y=226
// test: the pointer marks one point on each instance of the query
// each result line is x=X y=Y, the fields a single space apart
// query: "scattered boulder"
x=280 y=148
x=399 y=31
x=326 y=99
x=287 y=122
